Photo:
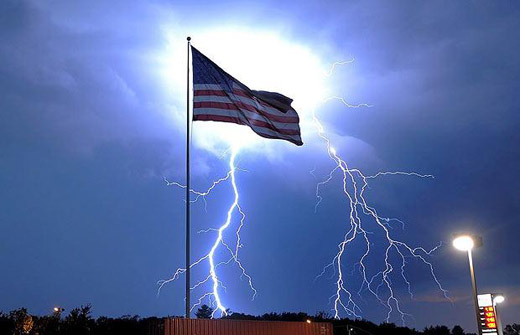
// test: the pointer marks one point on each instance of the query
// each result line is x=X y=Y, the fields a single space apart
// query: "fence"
x=178 y=326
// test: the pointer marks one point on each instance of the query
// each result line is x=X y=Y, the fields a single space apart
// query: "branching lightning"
x=333 y=66
x=344 y=102
x=363 y=222
x=213 y=295
x=365 y=226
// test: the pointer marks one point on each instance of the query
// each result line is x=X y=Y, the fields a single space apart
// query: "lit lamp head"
x=498 y=298
x=463 y=242
x=58 y=309
x=466 y=242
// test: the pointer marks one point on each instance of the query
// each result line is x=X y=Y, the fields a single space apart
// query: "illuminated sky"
x=91 y=121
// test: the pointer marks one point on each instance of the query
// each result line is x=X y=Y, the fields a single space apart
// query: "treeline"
x=347 y=326
x=79 y=321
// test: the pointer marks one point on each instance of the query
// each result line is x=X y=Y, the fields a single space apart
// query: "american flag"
x=217 y=96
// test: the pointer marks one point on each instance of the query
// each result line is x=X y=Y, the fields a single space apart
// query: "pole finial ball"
x=189 y=38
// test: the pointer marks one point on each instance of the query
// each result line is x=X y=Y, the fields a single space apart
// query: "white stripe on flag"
x=244 y=114
x=244 y=99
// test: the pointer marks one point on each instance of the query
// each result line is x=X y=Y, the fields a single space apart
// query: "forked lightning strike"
x=213 y=295
x=363 y=220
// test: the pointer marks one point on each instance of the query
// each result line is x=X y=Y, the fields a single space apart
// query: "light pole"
x=465 y=242
x=498 y=299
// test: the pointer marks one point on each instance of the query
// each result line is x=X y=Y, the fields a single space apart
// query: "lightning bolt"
x=212 y=278
x=363 y=222
x=333 y=66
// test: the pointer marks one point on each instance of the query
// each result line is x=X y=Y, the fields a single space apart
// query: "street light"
x=463 y=242
x=498 y=298
x=466 y=242
x=57 y=311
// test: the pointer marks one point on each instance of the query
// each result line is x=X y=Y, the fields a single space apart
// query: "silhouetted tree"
x=437 y=330
x=391 y=328
x=6 y=324
x=240 y=316
x=204 y=312
x=322 y=316
x=49 y=324
x=79 y=321
x=457 y=330
x=513 y=329
x=23 y=322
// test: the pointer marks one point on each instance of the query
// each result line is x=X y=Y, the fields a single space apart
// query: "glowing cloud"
x=262 y=61
x=265 y=61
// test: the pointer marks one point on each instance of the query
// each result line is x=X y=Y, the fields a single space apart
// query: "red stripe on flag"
x=239 y=92
x=237 y=105
x=256 y=123
x=219 y=93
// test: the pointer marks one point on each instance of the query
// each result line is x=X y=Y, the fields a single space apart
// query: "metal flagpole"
x=188 y=304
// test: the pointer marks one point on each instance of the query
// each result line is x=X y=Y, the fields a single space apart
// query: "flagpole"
x=188 y=304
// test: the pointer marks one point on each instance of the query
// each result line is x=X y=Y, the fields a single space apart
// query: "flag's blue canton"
x=206 y=72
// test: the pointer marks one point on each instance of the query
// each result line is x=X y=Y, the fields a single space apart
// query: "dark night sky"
x=89 y=127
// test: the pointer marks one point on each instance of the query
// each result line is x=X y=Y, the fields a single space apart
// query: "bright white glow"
x=499 y=299
x=261 y=60
x=463 y=243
